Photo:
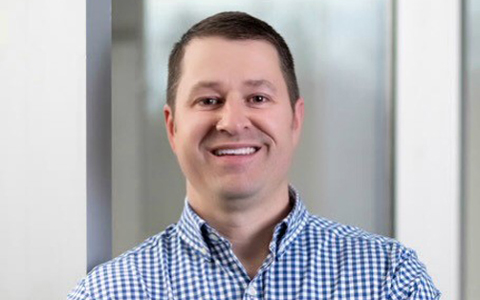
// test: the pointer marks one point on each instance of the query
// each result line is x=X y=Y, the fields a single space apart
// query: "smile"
x=235 y=151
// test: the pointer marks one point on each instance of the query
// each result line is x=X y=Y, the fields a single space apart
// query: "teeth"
x=238 y=151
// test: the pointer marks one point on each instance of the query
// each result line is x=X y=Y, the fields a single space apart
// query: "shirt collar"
x=190 y=229
x=194 y=230
x=288 y=229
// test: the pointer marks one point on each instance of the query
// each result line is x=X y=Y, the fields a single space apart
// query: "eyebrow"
x=259 y=83
x=205 y=85
x=216 y=85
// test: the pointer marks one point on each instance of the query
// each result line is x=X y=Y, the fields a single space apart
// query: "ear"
x=169 y=125
x=297 y=122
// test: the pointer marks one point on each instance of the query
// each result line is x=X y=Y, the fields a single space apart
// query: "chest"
x=296 y=275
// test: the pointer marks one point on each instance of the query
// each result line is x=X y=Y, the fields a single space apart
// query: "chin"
x=237 y=191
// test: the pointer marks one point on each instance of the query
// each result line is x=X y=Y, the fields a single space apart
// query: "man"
x=234 y=118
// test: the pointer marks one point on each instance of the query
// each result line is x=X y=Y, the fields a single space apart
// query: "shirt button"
x=213 y=237
x=252 y=291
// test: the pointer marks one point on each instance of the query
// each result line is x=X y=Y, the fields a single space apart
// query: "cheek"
x=190 y=134
x=279 y=126
x=187 y=153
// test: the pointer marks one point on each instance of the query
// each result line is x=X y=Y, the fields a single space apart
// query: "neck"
x=248 y=223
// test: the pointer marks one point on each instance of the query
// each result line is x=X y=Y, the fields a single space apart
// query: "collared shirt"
x=310 y=258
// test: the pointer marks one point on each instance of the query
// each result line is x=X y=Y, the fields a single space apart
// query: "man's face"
x=233 y=131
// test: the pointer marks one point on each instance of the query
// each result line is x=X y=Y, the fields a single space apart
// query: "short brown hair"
x=233 y=26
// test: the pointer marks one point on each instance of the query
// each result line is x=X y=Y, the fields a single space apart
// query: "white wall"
x=42 y=147
x=428 y=99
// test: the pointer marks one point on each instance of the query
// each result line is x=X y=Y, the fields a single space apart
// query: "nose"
x=233 y=117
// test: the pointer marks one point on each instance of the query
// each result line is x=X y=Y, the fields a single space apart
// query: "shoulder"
x=355 y=246
x=347 y=236
x=130 y=272
x=355 y=243
x=397 y=267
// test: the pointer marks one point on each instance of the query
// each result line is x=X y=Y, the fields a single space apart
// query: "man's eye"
x=258 y=99
x=208 y=101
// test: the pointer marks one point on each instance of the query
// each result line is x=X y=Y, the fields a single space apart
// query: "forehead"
x=226 y=61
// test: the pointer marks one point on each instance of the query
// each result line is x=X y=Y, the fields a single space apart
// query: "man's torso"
x=310 y=258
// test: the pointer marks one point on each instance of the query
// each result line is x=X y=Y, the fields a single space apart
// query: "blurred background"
x=391 y=141
x=345 y=62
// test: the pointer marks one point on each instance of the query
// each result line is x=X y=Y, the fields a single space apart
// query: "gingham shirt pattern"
x=310 y=258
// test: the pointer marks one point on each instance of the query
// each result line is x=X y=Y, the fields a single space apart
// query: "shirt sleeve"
x=79 y=293
x=410 y=280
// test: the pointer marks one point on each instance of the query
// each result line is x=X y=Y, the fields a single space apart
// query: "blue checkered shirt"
x=310 y=258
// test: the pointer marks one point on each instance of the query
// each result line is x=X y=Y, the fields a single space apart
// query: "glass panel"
x=471 y=260
x=342 y=169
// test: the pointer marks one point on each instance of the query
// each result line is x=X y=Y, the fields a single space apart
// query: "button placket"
x=252 y=291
